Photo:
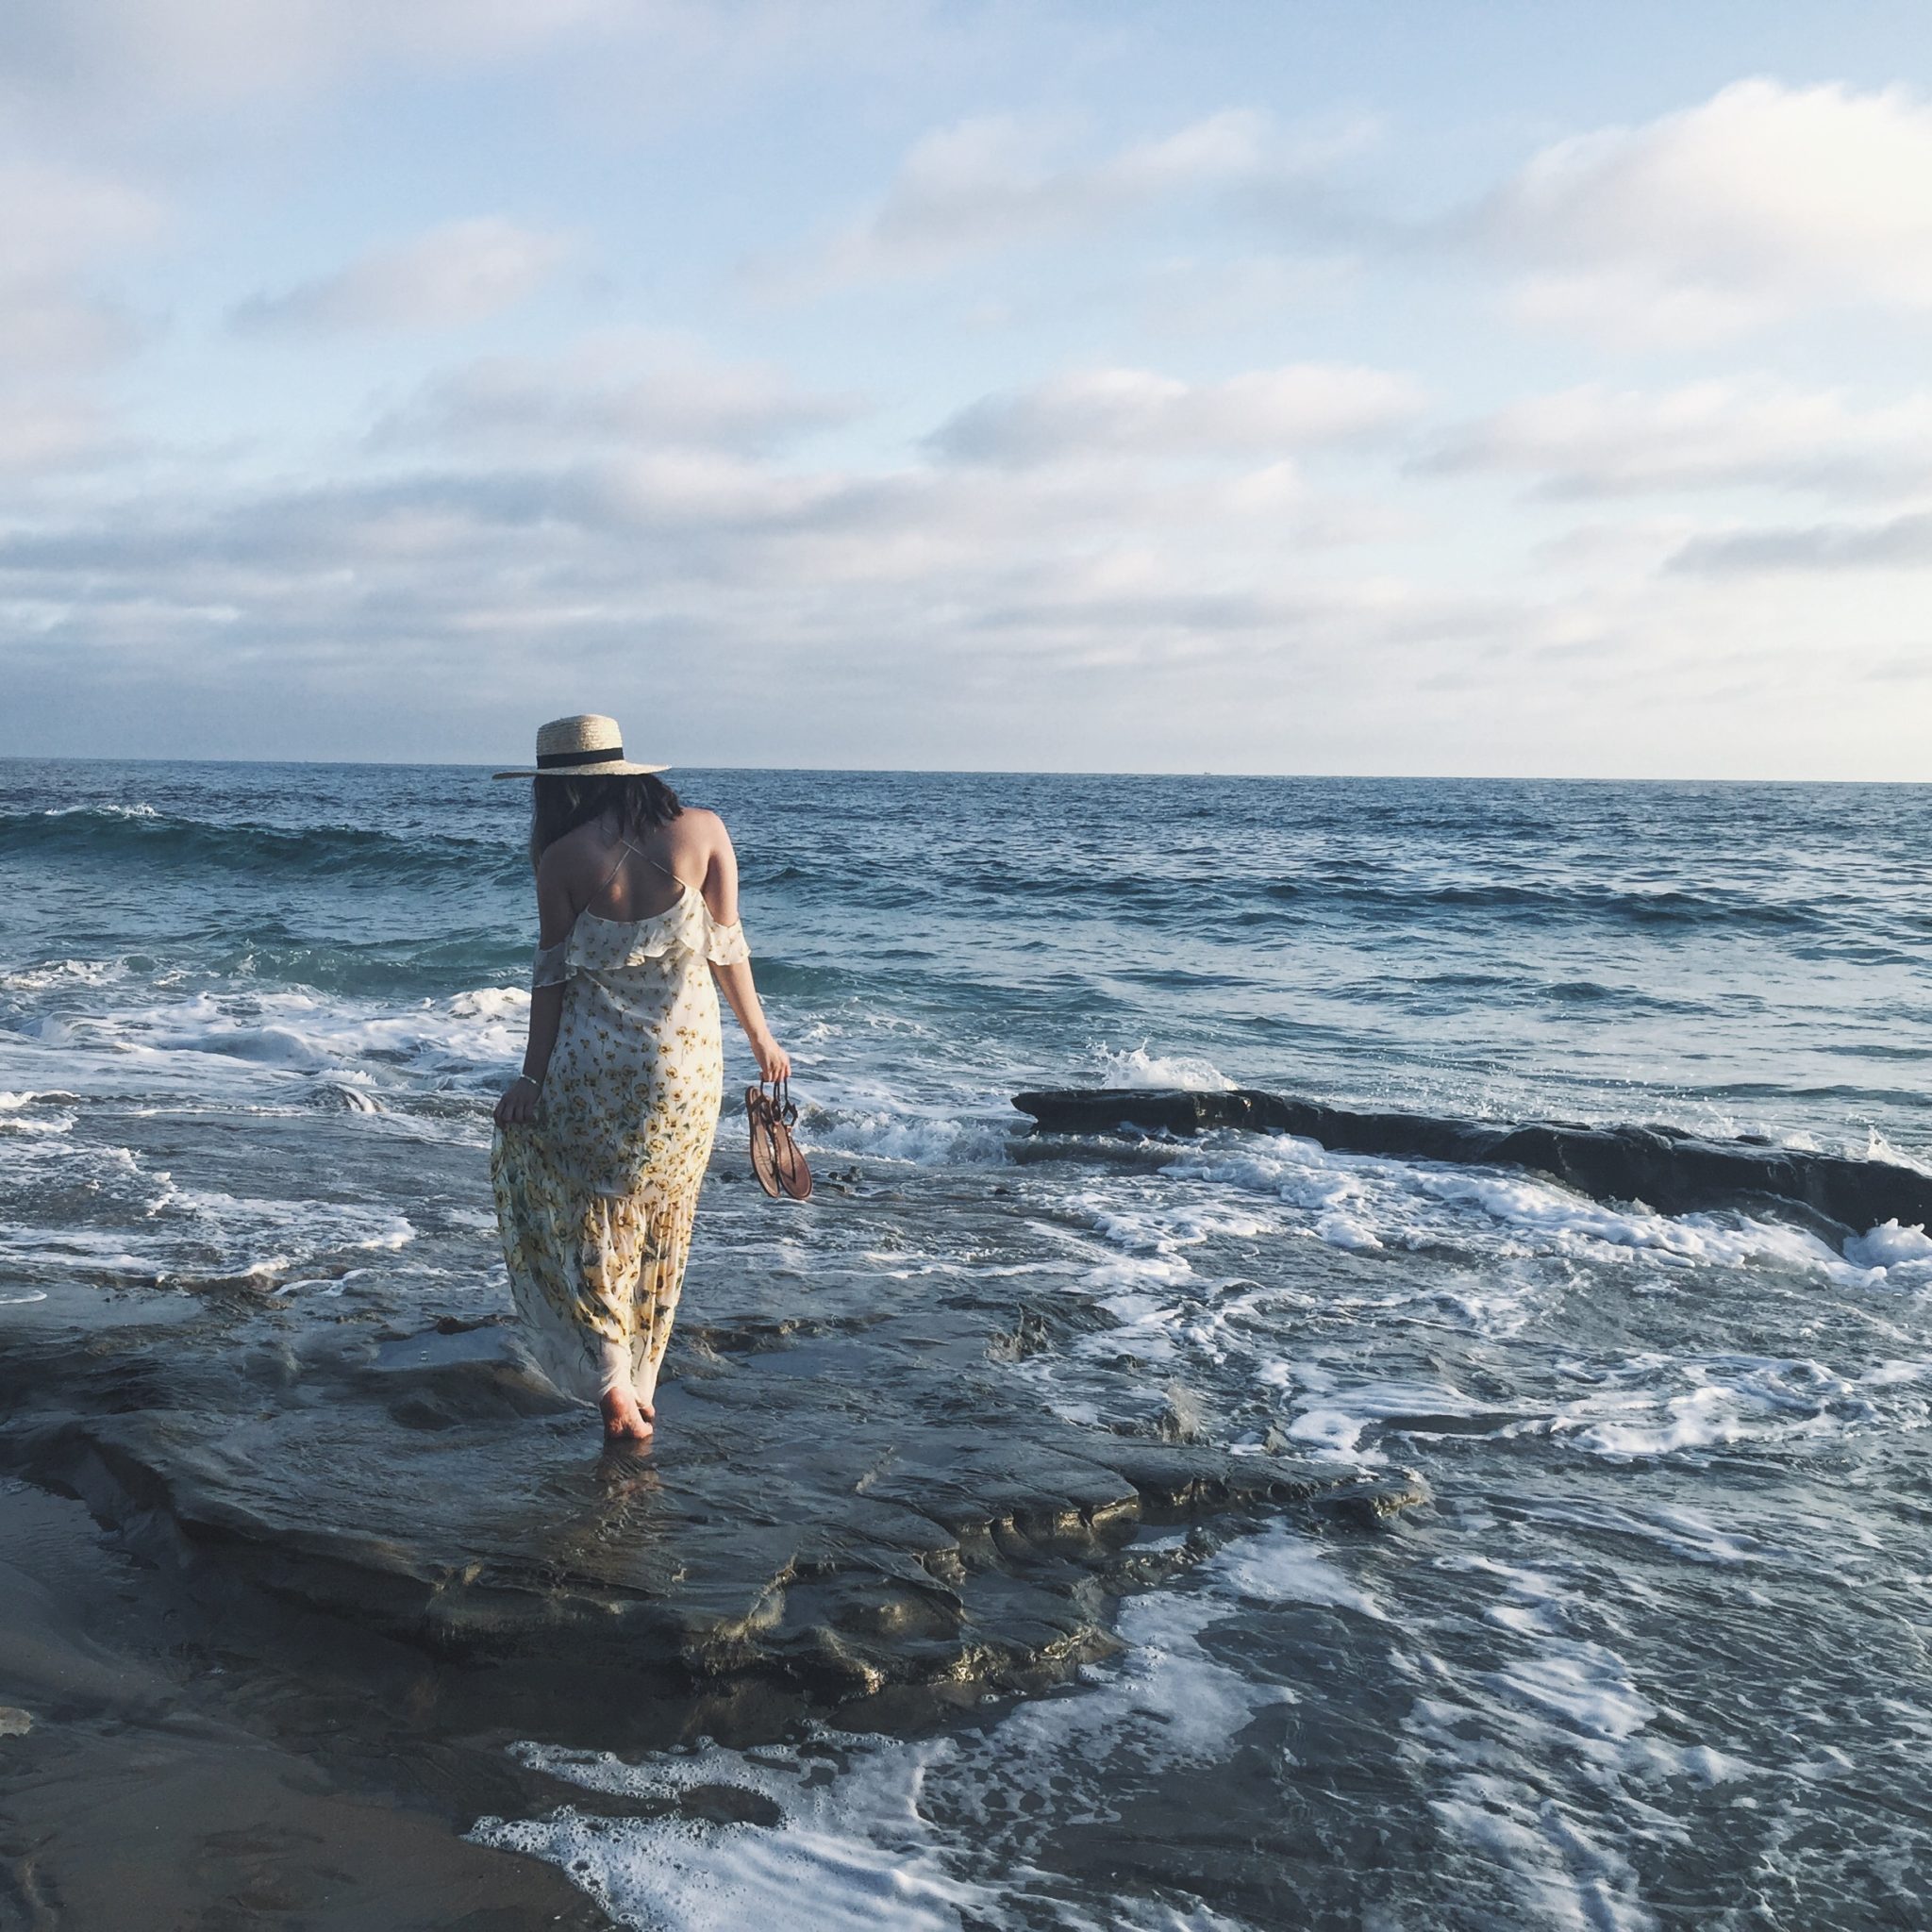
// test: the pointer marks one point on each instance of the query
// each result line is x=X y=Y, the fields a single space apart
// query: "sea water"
x=1655 y=1654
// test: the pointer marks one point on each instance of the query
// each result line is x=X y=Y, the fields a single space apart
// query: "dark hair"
x=639 y=803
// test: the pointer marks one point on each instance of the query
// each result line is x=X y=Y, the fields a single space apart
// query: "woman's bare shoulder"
x=694 y=829
x=698 y=840
x=566 y=860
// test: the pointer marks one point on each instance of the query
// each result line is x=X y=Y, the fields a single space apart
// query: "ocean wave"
x=1220 y=899
x=463 y=1041
x=37 y=1113
x=121 y=834
x=924 y=1139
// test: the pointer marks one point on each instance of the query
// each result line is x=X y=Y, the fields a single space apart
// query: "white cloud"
x=1212 y=295
x=532 y=548
x=54 y=219
x=95 y=77
x=989 y=184
x=461 y=273
x=199 y=53
x=1595 y=441
x=1153 y=614
x=622 y=388
x=1133 y=412
x=49 y=328
x=59 y=229
x=1763 y=201
x=1900 y=543
x=42 y=434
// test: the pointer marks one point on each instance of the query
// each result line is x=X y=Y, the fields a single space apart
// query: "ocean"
x=1646 y=1647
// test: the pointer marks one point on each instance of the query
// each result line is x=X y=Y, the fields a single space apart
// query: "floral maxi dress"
x=596 y=1195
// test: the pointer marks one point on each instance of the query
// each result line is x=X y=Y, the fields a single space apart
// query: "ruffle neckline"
x=604 y=945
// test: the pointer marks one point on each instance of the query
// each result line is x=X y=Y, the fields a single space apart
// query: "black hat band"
x=558 y=760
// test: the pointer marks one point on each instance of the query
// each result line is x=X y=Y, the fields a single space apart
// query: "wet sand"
x=177 y=1776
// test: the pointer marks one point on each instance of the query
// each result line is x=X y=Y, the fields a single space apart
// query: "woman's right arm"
x=739 y=990
x=556 y=916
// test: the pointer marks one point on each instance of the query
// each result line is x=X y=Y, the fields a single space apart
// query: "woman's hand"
x=774 y=1063
x=518 y=1105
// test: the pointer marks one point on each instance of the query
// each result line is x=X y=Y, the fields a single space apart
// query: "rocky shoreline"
x=429 y=1485
x=353 y=1548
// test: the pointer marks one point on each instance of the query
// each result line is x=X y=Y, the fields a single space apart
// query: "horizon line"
x=995 y=772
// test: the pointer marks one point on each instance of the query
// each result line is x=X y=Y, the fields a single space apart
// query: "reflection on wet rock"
x=843 y=1507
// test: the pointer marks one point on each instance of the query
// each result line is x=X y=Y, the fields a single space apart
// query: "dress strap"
x=669 y=874
x=625 y=848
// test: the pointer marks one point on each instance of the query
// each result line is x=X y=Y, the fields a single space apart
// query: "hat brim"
x=611 y=768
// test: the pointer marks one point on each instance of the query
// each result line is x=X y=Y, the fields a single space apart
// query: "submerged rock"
x=1670 y=1170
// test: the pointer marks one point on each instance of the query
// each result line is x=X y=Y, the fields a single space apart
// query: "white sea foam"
x=1329 y=1434
x=1161 y=1227
x=1659 y=1406
x=1367 y=1202
x=1282 y=1566
x=1138 y=1068
x=1342 y=1230
x=1552 y=1696
x=37 y=1113
x=865 y=1860
x=924 y=1139
x=1169 y=1308
x=466 y=1041
x=874 y=1831
x=1878 y=1148
x=505 y=1003
x=56 y=975
x=1570 y=1221
x=1888 y=1247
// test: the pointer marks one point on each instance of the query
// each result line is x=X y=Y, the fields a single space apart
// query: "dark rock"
x=831 y=1511
x=1671 y=1171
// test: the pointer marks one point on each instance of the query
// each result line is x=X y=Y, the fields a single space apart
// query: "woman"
x=603 y=1138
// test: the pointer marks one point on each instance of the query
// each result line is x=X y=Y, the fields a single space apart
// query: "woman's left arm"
x=556 y=916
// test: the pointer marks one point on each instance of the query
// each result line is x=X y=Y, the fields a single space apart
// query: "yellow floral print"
x=595 y=1197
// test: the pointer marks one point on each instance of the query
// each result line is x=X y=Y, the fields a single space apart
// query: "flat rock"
x=844 y=1513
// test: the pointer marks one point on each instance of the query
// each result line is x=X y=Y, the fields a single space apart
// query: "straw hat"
x=586 y=746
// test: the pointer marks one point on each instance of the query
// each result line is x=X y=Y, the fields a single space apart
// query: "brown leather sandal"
x=762 y=1118
x=794 y=1176
x=775 y=1157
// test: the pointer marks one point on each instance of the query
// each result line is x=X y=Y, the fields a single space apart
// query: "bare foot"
x=626 y=1420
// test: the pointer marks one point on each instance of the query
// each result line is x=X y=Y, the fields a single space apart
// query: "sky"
x=1424 y=386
